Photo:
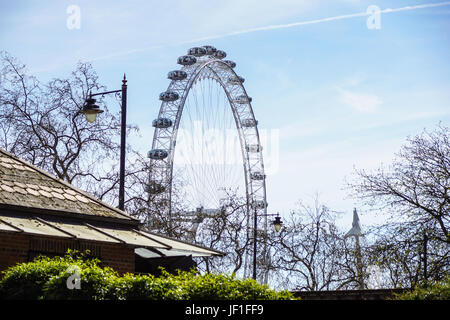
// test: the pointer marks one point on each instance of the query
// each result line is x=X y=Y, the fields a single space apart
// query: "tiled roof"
x=26 y=188
x=23 y=185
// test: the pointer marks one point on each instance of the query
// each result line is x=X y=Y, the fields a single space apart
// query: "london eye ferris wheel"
x=207 y=135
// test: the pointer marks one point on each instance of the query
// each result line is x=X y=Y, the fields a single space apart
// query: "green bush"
x=435 y=291
x=212 y=286
x=95 y=283
x=145 y=287
x=26 y=281
x=193 y=286
x=46 y=278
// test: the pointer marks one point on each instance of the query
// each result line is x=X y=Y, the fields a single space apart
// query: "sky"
x=336 y=85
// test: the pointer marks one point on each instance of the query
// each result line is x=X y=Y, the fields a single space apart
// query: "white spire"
x=356 y=227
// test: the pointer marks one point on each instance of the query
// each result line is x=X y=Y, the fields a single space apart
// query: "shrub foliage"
x=48 y=278
x=435 y=291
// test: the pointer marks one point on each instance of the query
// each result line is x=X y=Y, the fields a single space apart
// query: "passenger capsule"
x=259 y=204
x=248 y=123
x=177 y=75
x=253 y=148
x=230 y=63
x=186 y=60
x=257 y=176
x=236 y=80
x=157 y=154
x=162 y=123
x=154 y=187
x=168 y=96
x=243 y=99
x=210 y=50
x=197 y=51
x=219 y=54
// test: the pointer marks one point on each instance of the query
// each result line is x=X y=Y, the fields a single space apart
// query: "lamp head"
x=91 y=110
x=277 y=223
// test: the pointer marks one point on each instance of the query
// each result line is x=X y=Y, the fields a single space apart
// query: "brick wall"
x=13 y=249
x=119 y=257
x=18 y=247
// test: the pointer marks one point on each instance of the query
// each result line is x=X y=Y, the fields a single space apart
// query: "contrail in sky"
x=303 y=23
x=278 y=26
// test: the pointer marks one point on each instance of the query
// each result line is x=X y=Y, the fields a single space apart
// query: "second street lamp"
x=277 y=224
x=91 y=110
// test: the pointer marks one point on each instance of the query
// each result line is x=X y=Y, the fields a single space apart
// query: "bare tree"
x=414 y=246
x=311 y=253
x=41 y=123
x=408 y=254
x=226 y=232
x=415 y=188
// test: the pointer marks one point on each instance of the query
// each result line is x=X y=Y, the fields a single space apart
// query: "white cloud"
x=362 y=102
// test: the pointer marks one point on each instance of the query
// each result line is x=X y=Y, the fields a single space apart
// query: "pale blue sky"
x=340 y=94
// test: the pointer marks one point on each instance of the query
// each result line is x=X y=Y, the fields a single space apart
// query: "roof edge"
x=219 y=253
x=23 y=210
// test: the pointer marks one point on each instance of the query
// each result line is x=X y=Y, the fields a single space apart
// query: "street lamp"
x=277 y=223
x=91 y=110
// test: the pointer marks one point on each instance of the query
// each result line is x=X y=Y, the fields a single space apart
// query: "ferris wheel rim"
x=193 y=74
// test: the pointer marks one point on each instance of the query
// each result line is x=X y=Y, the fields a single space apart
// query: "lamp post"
x=91 y=110
x=277 y=223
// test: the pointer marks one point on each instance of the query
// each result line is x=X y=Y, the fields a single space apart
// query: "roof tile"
x=6 y=188
x=20 y=184
x=46 y=188
x=33 y=192
x=45 y=193
x=20 y=190
x=82 y=199
x=57 y=195
x=69 y=197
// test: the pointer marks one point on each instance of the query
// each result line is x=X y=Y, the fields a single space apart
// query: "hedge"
x=435 y=291
x=47 y=278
